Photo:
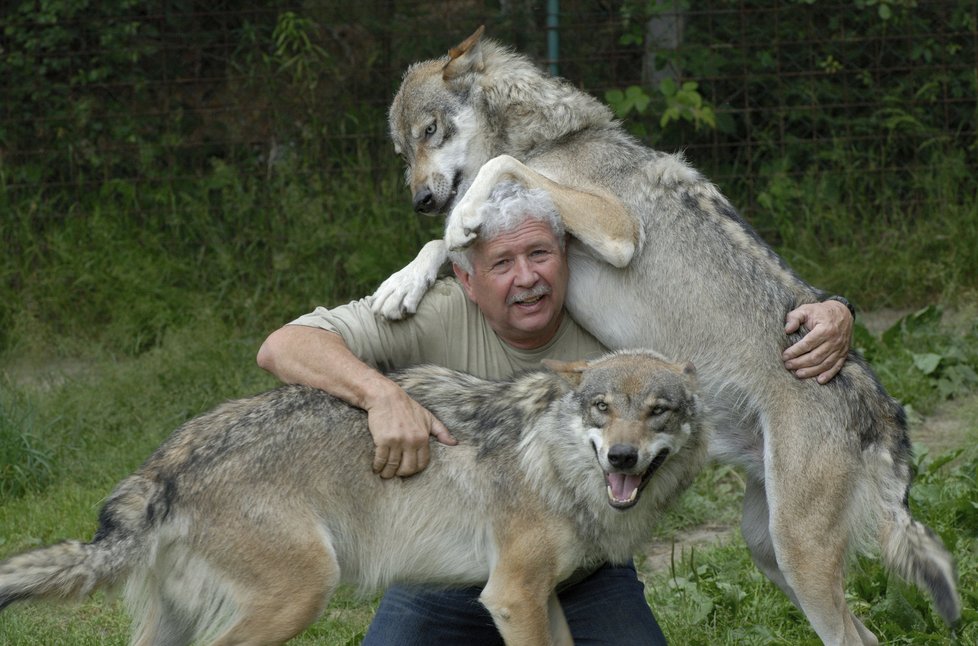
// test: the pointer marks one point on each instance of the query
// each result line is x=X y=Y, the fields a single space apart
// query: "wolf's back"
x=72 y=570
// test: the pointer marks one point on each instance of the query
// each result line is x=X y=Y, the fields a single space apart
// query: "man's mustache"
x=540 y=289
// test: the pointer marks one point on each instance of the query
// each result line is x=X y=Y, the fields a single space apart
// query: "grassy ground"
x=92 y=420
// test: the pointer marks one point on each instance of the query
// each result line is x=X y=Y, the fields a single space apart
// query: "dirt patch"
x=952 y=425
x=661 y=554
x=44 y=375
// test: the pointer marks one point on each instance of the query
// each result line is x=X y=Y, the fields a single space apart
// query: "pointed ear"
x=465 y=57
x=569 y=371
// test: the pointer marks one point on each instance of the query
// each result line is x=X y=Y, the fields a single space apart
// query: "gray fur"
x=242 y=523
x=661 y=259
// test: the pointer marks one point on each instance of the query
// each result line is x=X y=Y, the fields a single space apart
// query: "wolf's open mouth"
x=453 y=194
x=625 y=488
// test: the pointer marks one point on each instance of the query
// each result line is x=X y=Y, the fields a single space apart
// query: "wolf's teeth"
x=631 y=497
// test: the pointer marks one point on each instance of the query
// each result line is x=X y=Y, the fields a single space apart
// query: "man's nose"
x=526 y=273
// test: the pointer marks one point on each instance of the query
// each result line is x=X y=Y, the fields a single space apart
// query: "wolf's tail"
x=72 y=570
x=916 y=553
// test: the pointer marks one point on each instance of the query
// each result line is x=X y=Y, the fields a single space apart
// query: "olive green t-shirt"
x=447 y=330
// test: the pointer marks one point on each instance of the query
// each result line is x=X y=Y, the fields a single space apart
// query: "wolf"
x=659 y=258
x=240 y=527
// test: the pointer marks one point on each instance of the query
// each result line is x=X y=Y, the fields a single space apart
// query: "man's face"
x=519 y=280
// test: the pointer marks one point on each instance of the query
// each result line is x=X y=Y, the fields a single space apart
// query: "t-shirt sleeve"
x=425 y=337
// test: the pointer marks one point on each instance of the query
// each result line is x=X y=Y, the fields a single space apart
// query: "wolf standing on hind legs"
x=504 y=314
x=661 y=259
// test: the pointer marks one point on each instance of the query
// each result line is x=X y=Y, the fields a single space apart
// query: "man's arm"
x=823 y=351
x=319 y=358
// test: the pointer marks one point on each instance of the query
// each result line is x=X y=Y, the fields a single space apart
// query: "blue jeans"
x=607 y=608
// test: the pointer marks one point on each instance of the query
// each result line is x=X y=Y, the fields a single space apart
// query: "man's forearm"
x=400 y=427
x=298 y=354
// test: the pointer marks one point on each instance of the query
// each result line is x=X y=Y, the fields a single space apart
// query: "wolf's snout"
x=623 y=456
x=424 y=201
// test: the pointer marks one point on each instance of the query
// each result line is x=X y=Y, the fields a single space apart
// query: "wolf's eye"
x=657 y=410
x=601 y=407
x=431 y=129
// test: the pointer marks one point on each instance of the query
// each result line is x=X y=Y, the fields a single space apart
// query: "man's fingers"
x=804 y=346
x=826 y=376
x=793 y=321
x=410 y=461
x=380 y=458
x=441 y=433
x=394 y=458
x=414 y=461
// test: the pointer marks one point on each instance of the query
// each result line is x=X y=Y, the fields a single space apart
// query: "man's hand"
x=400 y=428
x=822 y=352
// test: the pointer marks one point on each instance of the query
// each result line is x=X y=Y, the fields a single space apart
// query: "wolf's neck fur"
x=528 y=108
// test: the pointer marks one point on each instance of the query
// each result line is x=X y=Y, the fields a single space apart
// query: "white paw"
x=462 y=226
x=399 y=295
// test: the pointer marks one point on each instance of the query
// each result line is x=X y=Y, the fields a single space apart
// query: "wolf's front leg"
x=523 y=616
x=520 y=592
x=466 y=219
x=399 y=295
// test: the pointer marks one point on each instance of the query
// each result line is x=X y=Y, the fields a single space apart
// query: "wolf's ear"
x=465 y=57
x=569 y=371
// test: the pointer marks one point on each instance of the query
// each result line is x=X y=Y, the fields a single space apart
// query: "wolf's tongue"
x=622 y=485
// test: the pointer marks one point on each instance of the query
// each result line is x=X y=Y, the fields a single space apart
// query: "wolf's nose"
x=623 y=456
x=424 y=201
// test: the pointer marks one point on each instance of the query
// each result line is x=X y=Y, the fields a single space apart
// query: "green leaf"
x=927 y=363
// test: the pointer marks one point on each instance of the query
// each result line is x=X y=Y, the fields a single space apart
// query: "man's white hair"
x=510 y=206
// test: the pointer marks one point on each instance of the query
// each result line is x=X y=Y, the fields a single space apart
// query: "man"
x=503 y=314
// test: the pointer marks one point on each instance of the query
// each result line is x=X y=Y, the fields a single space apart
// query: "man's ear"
x=466 y=279
x=465 y=57
x=569 y=371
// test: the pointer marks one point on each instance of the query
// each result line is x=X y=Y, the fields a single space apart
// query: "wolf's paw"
x=463 y=225
x=459 y=235
x=398 y=296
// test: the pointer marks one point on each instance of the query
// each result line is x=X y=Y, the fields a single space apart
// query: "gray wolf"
x=661 y=259
x=239 y=528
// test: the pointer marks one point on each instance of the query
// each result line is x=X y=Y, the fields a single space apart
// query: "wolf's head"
x=639 y=412
x=453 y=114
x=436 y=128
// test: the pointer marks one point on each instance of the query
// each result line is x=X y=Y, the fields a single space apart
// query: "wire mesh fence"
x=761 y=95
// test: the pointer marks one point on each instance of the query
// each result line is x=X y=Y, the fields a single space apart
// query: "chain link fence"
x=763 y=96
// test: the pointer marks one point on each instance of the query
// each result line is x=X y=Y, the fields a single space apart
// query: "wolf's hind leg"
x=810 y=476
x=755 y=528
x=285 y=591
